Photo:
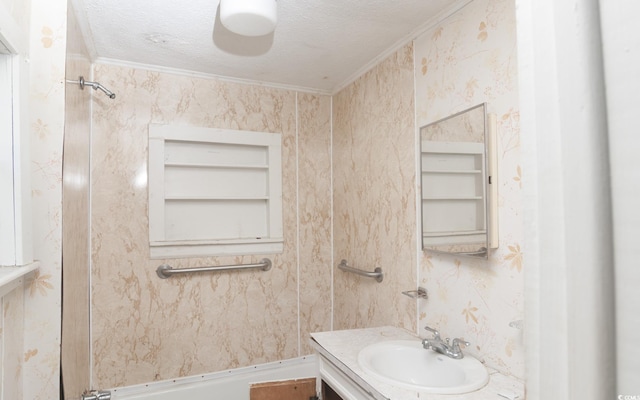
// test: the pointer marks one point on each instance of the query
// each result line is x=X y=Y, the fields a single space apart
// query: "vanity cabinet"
x=328 y=393
x=336 y=385
x=342 y=377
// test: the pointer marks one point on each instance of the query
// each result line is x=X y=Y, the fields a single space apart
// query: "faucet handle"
x=455 y=344
x=436 y=334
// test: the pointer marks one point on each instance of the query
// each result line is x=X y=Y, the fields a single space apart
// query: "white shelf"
x=453 y=198
x=452 y=192
x=212 y=198
x=220 y=166
x=449 y=171
x=456 y=233
x=213 y=192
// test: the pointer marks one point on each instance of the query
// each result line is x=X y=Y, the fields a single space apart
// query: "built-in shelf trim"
x=213 y=166
x=452 y=198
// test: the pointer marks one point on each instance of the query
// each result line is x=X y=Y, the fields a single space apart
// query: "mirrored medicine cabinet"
x=459 y=184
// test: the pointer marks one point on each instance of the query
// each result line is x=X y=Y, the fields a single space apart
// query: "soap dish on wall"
x=421 y=293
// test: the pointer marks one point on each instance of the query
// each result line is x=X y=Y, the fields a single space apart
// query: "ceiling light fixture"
x=249 y=17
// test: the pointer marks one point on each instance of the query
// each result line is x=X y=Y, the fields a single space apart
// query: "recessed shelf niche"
x=214 y=192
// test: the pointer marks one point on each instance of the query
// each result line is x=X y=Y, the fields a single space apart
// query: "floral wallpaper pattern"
x=467 y=59
x=33 y=315
x=41 y=354
x=12 y=343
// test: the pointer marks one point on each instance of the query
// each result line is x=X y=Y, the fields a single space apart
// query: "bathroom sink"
x=407 y=364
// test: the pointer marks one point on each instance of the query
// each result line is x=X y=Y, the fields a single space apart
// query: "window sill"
x=12 y=277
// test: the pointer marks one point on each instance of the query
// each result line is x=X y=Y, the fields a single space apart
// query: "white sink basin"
x=407 y=364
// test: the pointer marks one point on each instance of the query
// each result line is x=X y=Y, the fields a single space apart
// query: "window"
x=15 y=189
x=214 y=192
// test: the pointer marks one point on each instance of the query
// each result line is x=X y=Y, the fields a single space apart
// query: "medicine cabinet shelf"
x=448 y=233
x=453 y=194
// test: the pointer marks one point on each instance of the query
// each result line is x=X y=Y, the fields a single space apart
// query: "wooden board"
x=297 y=389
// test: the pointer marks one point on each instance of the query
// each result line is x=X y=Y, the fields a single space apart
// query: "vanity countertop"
x=342 y=348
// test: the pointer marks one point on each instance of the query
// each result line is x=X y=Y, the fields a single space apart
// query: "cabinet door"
x=343 y=386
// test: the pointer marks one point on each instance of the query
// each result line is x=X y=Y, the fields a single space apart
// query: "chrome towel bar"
x=165 y=271
x=376 y=274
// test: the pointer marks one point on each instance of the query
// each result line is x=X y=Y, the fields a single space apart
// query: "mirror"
x=455 y=190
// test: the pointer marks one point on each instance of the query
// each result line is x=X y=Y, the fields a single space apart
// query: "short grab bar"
x=376 y=274
x=166 y=271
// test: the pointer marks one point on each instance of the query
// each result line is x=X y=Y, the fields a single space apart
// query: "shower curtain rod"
x=94 y=85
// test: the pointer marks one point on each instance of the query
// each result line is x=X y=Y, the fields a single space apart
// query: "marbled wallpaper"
x=466 y=127
x=374 y=195
x=467 y=59
x=145 y=328
x=243 y=318
x=314 y=214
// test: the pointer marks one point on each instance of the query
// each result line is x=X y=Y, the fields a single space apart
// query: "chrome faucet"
x=438 y=345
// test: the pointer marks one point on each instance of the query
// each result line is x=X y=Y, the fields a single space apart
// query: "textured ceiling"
x=318 y=45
